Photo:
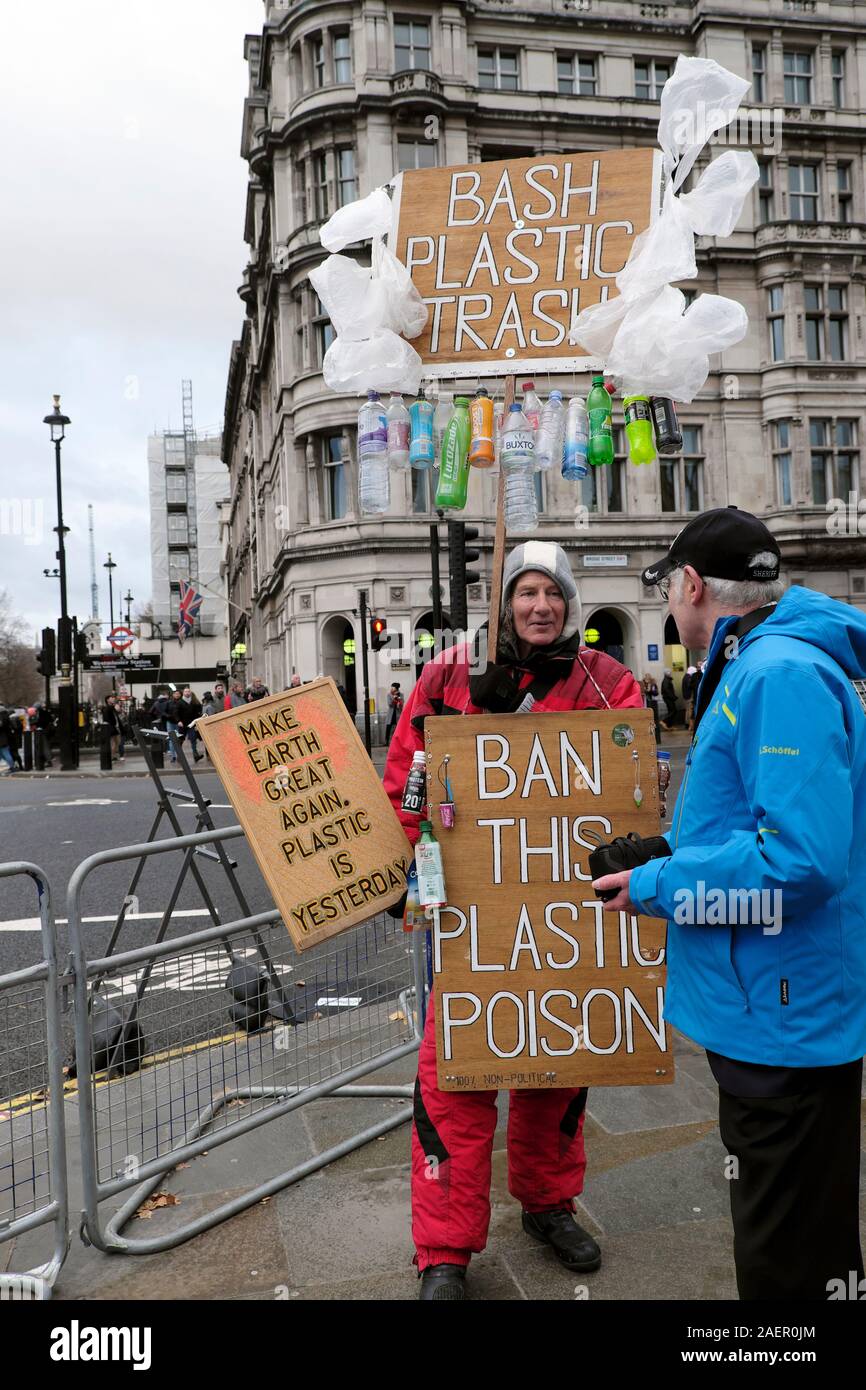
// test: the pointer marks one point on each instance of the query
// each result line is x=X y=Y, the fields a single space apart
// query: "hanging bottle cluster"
x=461 y=433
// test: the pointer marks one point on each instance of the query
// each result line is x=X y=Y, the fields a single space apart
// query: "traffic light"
x=459 y=577
x=46 y=659
x=379 y=633
x=64 y=642
x=82 y=649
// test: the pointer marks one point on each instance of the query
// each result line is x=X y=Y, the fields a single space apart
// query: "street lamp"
x=128 y=597
x=110 y=565
x=57 y=423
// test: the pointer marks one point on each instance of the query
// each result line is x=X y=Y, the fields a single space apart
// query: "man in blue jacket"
x=765 y=896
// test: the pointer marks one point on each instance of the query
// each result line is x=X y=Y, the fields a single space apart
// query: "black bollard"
x=104 y=748
x=157 y=749
x=28 y=750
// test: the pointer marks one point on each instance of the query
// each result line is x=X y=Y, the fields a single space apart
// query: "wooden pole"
x=498 y=545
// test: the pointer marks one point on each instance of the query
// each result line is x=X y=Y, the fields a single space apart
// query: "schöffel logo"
x=77 y=1343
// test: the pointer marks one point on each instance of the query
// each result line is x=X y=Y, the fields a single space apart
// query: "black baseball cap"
x=720 y=544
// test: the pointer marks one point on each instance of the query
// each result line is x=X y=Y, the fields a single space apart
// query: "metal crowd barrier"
x=33 y=1178
x=358 y=1002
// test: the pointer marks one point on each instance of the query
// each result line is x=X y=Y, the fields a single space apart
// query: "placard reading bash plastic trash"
x=314 y=811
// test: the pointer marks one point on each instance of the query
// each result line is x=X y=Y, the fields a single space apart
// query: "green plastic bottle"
x=639 y=429
x=600 y=448
x=454 y=463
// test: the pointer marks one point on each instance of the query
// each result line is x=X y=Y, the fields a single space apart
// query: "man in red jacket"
x=540 y=665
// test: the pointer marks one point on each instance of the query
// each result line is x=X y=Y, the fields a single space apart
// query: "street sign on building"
x=121 y=638
x=110 y=664
x=536 y=986
x=507 y=253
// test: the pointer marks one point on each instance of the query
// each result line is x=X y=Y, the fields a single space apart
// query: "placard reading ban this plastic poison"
x=506 y=254
x=535 y=985
x=314 y=811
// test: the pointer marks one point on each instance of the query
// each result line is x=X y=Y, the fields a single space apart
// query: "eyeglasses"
x=664 y=585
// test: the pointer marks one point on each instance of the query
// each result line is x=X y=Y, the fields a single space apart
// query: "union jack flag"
x=190 y=603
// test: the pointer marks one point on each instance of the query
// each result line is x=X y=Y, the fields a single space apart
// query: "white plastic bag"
x=356 y=304
x=358 y=221
x=407 y=312
x=663 y=351
x=699 y=98
x=714 y=205
x=384 y=362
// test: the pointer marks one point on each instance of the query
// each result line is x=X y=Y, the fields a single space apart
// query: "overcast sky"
x=121 y=249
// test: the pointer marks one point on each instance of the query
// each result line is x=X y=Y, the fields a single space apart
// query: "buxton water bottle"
x=517 y=460
x=574 y=465
x=374 y=481
x=551 y=432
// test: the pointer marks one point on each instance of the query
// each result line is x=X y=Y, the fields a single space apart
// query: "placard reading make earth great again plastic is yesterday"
x=314 y=811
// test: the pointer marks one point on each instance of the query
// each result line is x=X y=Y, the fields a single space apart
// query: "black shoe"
x=446 y=1282
x=573 y=1246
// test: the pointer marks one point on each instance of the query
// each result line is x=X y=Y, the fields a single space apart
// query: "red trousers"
x=452 y=1147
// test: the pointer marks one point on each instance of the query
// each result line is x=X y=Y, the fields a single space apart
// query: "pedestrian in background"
x=772 y=807
x=111 y=718
x=651 y=700
x=257 y=690
x=669 y=695
x=45 y=727
x=690 y=685
x=6 y=739
x=185 y=709
x=395 y=706
x=235 y=697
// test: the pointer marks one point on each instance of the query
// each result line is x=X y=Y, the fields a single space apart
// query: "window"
x=813 y=300
x=497 y=69
x=821 y=458
x=575 y=76
x=650 y=76
x=335 y=476
x=299 y=180
x=843 y=191
x=345 y=176
x=759 y=72
x=178 y=565
x=847 y=458
x=589 y=490
x=682 y=478
x=425 y=481
x=411 y=44
x=776 y=322
x=175 y=485
x=766 y=205
x=538 y=480
x=342 y=57
x=415 y=154
x=803 y=191
x=782 y=460
x=837 y=69
x=797 y=69
x=320 y=187
x=323 y=329
x=837 y=322
x=318 y=46
x=178 y=528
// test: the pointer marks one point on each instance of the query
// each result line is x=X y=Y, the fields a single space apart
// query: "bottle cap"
x=515 y=406
x=598 y=377
x=663 y=756
x=426 y=825
x=556 y=395
x=372 y=395
x=419 y=756
x=461 y=400
x=529 y=386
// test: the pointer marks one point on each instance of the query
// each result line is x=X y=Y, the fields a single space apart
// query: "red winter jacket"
x=444 y=689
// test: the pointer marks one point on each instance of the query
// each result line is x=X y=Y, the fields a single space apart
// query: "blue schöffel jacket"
x=773 y=799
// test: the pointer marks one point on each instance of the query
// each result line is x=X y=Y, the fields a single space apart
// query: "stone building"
x=342 y=96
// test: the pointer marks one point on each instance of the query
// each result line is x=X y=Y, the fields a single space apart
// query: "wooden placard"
x=535 y=985
x=506 y=254
x=313 y=807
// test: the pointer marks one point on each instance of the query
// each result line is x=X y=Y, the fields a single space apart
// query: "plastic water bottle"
x=574 y=465
x=421 y=433
x=531 y=405
x=441 y=417
x=551 y=433
x=398 y=432
x=374 y=480
x=518 y=463
x=598 y=405
x=454 y=459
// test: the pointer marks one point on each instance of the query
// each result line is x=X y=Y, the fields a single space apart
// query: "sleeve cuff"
x=643 y=886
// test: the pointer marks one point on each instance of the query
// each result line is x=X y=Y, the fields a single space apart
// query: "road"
x=56 y=822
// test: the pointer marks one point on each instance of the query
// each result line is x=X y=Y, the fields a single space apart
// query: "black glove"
x=625 y=852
